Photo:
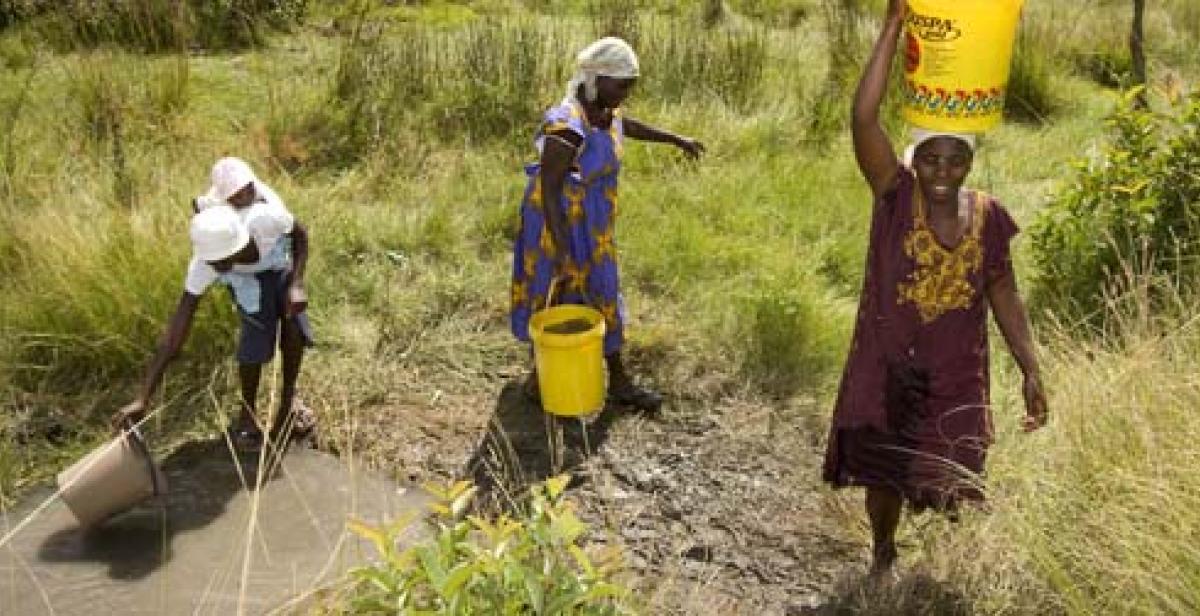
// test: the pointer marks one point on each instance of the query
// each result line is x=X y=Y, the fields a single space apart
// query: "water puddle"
x=220 y=545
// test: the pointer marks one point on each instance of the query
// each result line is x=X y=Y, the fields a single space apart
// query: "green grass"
x=400 y=146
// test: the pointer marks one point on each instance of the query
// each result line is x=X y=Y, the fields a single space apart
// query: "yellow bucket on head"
x=957 y=55
x=568 y=351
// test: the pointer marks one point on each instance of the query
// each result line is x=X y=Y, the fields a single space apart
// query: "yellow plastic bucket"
x=957 y=55
x=568 y=350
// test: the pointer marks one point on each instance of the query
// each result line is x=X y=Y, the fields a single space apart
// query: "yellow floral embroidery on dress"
x=535 y=193
x=530 y=259
x=939 y=284
x=575 y=195
x=610 y=193
x=604 y=246
x=576 y=276
x=520 y=294
x=546 y=242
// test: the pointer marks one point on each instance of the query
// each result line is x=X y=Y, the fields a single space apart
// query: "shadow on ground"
x=201 y=480
x=523 y=446
x=911 y=593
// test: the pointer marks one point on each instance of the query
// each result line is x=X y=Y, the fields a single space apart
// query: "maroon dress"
x=923 y=306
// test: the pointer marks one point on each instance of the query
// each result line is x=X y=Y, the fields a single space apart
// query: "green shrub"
x=1132 y=211
x=789 y=337
x=1109 y=67
x=535 y=564
x=13 y=12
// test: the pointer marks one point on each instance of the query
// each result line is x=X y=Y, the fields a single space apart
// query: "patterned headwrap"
x=607 y=57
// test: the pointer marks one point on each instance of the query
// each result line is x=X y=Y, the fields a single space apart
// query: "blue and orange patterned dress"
x=589 y=202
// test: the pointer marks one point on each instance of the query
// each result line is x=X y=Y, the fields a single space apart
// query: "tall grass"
x=1031 y=95
x=153 y=25
x=485 y=81
x=1094 y=515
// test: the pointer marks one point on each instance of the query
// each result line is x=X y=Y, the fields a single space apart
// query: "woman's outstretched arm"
x=872 y=149
x=645 y=132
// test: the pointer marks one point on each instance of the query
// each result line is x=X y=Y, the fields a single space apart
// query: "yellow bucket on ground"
x=957 y=55
x=568 y=351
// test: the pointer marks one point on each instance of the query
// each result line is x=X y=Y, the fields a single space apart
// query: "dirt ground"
x=719 y=508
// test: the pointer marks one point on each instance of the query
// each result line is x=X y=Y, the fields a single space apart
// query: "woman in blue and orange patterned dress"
x=572 y=242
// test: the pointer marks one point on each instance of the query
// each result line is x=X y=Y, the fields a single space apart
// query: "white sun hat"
x=229 y=175
x=217 y=233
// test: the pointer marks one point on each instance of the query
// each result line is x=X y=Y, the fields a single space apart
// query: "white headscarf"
x=921 y=135
x=229 y=175
x=607 y=57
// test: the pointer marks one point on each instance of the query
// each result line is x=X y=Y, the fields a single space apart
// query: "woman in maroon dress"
x=912 y=421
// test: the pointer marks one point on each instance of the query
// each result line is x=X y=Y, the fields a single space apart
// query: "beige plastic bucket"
x=112 y=478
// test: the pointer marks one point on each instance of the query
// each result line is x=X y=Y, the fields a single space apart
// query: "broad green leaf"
x=458 y=576
x=373 y=534
x=582 y=560
x=567 y=527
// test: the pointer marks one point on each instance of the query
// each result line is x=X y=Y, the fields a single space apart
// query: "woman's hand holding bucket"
x=128 y=416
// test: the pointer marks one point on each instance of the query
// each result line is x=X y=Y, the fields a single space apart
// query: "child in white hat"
x=244 y=236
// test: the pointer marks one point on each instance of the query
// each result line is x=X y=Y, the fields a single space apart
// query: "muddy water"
x=570 y=326
x=190 y=555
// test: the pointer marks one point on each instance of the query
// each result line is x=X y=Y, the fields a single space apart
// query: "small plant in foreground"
x=534 y=564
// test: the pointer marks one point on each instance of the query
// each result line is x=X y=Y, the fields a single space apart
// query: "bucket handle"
x=554 y=280
x=550 y=291
x=139 y=443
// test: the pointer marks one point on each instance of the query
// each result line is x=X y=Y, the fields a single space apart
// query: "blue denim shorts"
x=257 y=340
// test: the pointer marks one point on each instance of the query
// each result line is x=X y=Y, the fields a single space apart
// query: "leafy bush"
x=531 y=565
x=1132 y=211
